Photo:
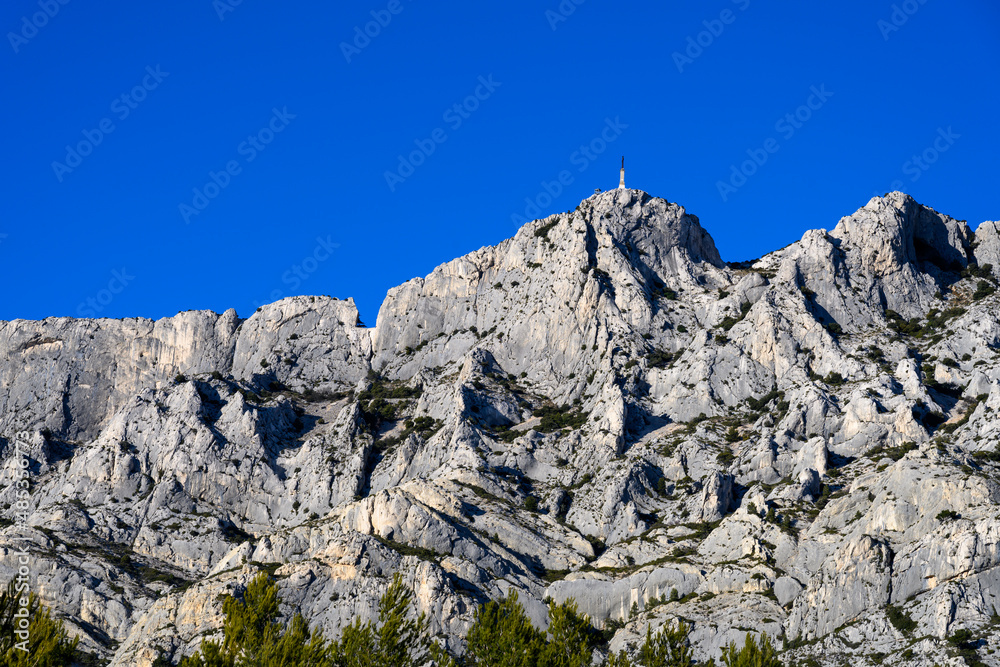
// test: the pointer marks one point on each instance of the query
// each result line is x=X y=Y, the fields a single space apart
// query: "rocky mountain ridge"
x=599 y=408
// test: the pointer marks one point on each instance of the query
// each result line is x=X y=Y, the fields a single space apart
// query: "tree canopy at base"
x=253 y=637
x=501 y=635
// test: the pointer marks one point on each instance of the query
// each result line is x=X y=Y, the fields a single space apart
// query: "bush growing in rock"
x=900 y=619
x=983 y=290
x=658 y=359
x=834 y=379
x=758 y=404
x=556 y=418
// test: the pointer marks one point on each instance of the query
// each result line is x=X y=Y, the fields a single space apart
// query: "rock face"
x=987 y=246
x=70 y=375
x=599 y=408
x=303 y=343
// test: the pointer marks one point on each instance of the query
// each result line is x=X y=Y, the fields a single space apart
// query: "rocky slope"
x=598 y=408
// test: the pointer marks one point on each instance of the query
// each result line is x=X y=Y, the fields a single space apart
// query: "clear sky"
x=160 y=157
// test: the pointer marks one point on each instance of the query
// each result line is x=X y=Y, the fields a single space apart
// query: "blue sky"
x=224 y=155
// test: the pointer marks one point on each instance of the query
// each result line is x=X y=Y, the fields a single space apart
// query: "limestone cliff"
x=598 y=408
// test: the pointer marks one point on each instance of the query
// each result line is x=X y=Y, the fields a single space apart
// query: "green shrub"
x=661 y=291
x=875 y=353
x=659 y=358
x=900 y=619
x=758 y=404
x=901 y=326
x=554 y=418
x=728 y=322
x=894 y=453
x=543 y=231
x=983 y=290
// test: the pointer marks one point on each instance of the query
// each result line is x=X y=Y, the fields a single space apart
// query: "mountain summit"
x=599 y=408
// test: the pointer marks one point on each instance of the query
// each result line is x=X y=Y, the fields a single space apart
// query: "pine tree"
x=570 y=637
x=252 y=636
x=47 y=643
x=620 y=659
x=667 y=648
x=356 y=647
x=250 y=627
x=752 y=654
x=402 y=641
x=502 y=636
x=298 y=647
x=251 y=623
x=210 y=654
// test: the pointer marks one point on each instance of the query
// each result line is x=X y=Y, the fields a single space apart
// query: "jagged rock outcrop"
x=599 y=408
x=987 y=245
x=304 y=343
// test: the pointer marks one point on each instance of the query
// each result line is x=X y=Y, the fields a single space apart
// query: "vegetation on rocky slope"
x=501 y=635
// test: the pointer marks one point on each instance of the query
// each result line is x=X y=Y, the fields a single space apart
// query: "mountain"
x=599 y=408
